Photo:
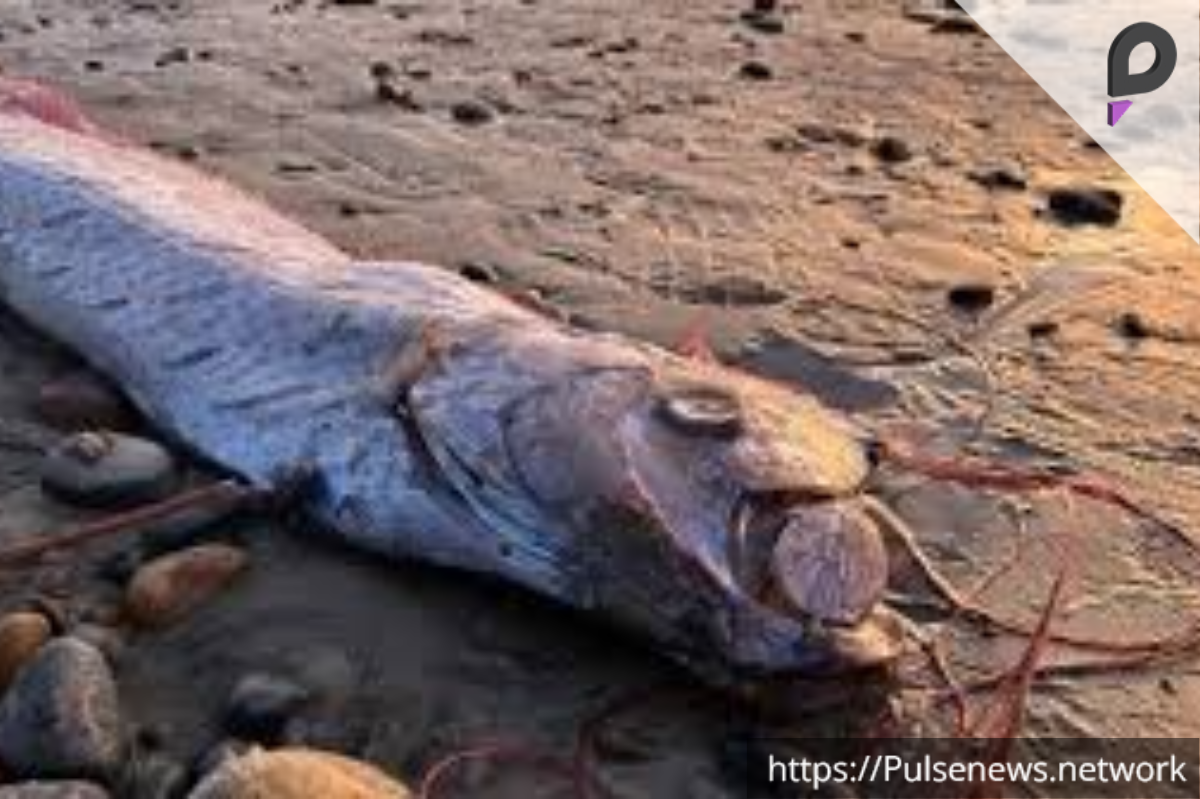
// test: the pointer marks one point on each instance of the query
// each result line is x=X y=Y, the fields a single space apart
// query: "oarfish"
x=719 y=516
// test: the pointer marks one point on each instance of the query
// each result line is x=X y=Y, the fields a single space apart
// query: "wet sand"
x=858 y=204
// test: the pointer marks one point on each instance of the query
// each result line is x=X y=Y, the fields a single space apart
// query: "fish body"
x=713 y=513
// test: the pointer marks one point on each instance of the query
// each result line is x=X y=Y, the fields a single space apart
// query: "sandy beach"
x=868 y=200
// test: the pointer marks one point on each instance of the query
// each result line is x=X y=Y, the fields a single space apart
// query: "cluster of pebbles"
x=63 y=734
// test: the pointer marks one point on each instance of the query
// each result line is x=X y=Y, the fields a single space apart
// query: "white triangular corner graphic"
x=1064 y=46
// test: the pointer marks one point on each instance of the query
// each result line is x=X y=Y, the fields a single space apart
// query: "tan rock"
x=21 y=636
x=297 y=774
x=169 y=588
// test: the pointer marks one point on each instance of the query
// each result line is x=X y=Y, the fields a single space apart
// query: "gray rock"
x=61 y=718
x=108 y=470
x=260 y=707
x=53 y=790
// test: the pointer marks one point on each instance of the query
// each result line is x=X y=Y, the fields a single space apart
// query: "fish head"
x=760 y=489
x=718 y=513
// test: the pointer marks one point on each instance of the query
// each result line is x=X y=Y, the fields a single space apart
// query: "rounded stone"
x=53 y=790
x=166 y=590
x=102 y=469
x=61 y=719
x=297 y=774
x=83 y=401
x=22 y=635
x=261 y=706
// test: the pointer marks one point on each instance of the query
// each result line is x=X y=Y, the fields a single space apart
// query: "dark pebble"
x=1133 y=327
x=176 y=55
x=971 y=298
x=1000 y=178
x=1074 y=207
x=1042 y=330
x=892 y=150
x=261 y=706
x=382 y=70
x=390 y=93
x=756 y=70
x=471 y=113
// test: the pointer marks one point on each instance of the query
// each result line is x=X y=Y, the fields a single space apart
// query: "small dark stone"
x=176 y=55
x=1010 y=178
x=1074 y=207
x=971 y=298
x=892 y=150
x=382 y=70
x=1133 y=327
x=261 y=706
x=471 y=113
x=120 y=566
x=392 y=94
x=756 y=70
x=1042 y=329
x=93 y=65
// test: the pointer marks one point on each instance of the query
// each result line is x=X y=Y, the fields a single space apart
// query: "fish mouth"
x=819 y=562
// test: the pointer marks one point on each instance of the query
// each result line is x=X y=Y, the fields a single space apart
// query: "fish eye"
x=701 y=411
